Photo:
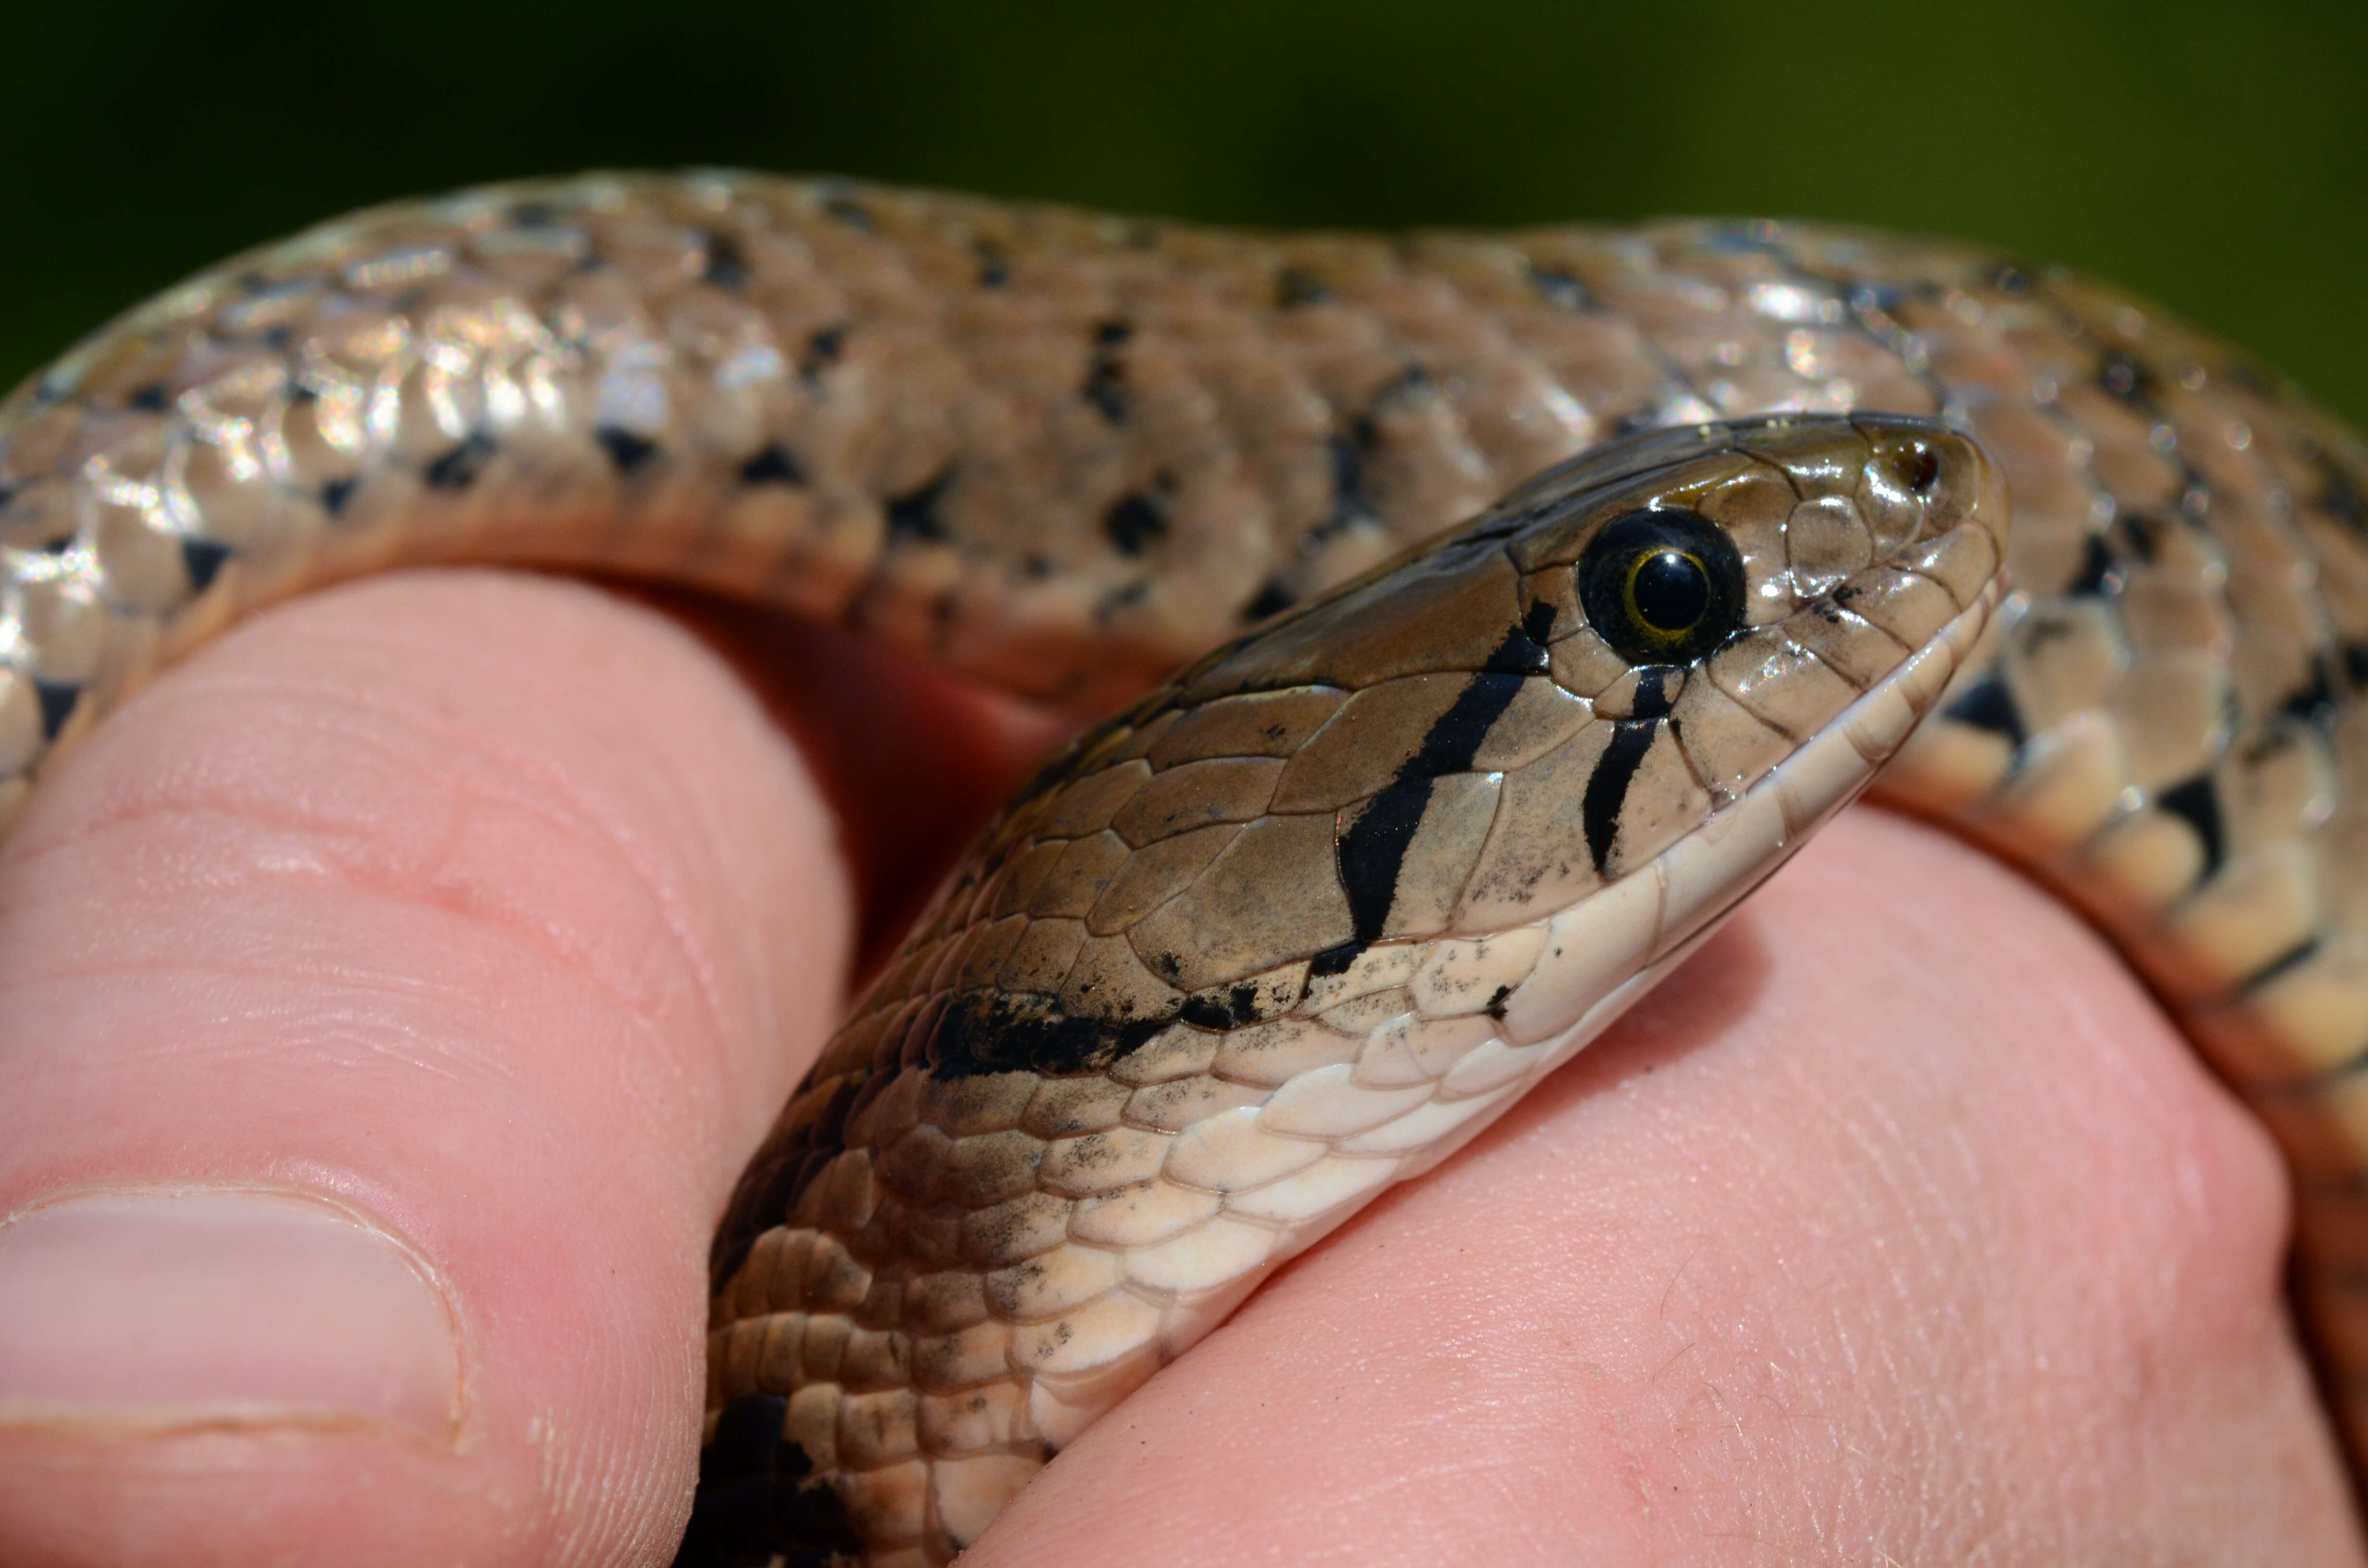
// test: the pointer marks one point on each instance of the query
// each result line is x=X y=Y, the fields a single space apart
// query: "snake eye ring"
x=1662 y=588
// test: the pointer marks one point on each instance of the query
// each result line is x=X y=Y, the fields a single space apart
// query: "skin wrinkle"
x=550 y=796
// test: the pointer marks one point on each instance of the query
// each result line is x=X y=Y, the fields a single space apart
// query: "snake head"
x=1715 y=632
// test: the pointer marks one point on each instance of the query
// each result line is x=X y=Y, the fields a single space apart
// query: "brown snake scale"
x=1302 y=917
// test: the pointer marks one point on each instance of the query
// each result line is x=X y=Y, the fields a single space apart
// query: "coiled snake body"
x=1300 y=920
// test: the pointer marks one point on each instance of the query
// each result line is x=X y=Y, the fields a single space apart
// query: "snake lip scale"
x=1483 y=616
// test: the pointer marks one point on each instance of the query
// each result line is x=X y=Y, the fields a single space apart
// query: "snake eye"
x=1662 y=588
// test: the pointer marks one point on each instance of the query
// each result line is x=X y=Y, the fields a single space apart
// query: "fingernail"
x=218 y=1306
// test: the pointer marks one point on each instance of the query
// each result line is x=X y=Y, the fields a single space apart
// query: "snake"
x=1483 y=617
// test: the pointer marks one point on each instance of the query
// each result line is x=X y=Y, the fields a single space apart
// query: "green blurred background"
x=2216 y=157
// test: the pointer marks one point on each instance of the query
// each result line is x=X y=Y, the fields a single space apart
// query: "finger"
x=387 y=1001
x=1897 y=1226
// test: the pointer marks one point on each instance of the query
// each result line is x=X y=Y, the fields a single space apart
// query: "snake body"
x=1299 y=920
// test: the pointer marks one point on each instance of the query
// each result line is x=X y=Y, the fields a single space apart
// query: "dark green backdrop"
x=2215 y=157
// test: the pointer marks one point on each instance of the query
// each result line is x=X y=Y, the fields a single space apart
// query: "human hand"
x=454 y=937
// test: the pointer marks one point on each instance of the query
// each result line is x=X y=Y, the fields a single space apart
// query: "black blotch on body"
x=1372 y=851
x=1134 y=524
x=335 y=494
x=203 y=558
x=983 y=1031
x=2294 y=958
x=2342 y=500
x=1988 y=705
x=533 y=215
x=458 y=469
x=57 y=698
x=627 y=450
x=774 y=465
x=1272 y=598
x=1334 y=960
x=2096 y=569
x=848 y=210
x=759 y=1497
x=1563 y=288
x=1350 y=503
x=1294 y=288
x=2010 y=279
x=2314 y=700
x=727 y=263
x=914 y=516
x=2195 y=803
x=994 y=267
x=1607 y=787
x=1227 y=1009
x=150 y=398
x=2125 y=377
x=1495 y=1007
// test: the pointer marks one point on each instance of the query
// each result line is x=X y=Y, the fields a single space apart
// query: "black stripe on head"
x=1372 y=850
x=1607 y=787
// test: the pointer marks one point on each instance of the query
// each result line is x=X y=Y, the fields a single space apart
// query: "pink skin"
x=503 y=911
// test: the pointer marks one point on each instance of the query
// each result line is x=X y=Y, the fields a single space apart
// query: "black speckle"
x=458 y=469
x=821 y=350
x=727 y=263
x=2195 y=803
x=533 y=215
x=335 y=494
x=774 y=465
x=1563 y=288
x=150 y=398
x=1134 y=524
x=848 y=210
x=1607 y=787
x=1272 y=598
x=203 y=560
x=1988 y=705
x=1496 y=1008
x=626 y=450
x=1293 y=287
x=2096 y=569
x=914 y=517
x=1106 y=373
x=994 y=267
x=57 y=698
x=57 y=546
x=2355 y=663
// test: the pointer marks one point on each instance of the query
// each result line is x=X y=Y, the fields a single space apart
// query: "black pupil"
x=1670 y=591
